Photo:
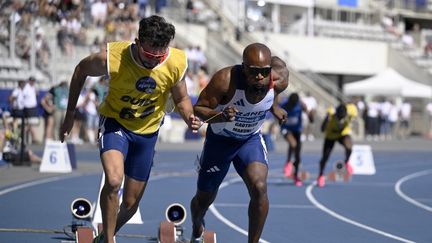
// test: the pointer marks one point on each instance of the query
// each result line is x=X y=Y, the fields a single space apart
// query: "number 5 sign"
x=55 y=158
x=362 y=160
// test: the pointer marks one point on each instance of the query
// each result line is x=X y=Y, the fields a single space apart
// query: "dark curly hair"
x=155 y=31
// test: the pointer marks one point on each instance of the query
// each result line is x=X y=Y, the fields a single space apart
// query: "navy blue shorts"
x=137 y=149
x=220 y=151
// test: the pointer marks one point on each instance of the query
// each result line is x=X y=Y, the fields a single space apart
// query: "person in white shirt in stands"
x=385 y=130
x=405 y=117
x=16 y=100
x=311 y=105
x=30 y=106
x=92 y=116
x=372 y=126
x=393 y=118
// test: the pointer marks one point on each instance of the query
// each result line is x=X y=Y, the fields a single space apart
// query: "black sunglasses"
x=254 y=71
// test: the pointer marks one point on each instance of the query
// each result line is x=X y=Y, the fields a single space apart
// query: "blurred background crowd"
x=326 y=43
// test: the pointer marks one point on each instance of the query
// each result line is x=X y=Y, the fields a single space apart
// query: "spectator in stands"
x=91 y=105
x=42 y=50
x=372 y=114
x=201 y=59
x=190 y=11
x=203 y=78
x=241 y=93
x=142 y=7
x=393 y=118
x=60 y=97
x=337 y=128
x=99 y=12
x=142 y=74
x=405 y=118
x=48 y=106
x=384 y=113
x=10 y=146
x=311 y=105
x=190 y=83
x=31 y=111
x=100 y=88
x=428 y=47
x=429 y=113
x=16 y=100
x=79 y=118
x=291 y=131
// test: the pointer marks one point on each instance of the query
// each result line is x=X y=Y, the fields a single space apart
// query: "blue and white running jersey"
x=249 y=118
x=294 y=118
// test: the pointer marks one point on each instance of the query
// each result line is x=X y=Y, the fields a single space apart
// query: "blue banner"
x=349 y=3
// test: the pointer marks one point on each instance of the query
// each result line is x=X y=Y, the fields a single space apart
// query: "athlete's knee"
x=259 y=189
x=113 y=182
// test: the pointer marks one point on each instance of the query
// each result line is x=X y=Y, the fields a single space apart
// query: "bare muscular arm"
x=93 y=65
x=212 y=95
x=184 y=105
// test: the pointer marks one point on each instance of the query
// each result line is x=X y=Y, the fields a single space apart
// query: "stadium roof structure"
x=389 y=83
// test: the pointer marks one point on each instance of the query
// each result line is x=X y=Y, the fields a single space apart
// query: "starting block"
x=171 y=231
x=339 y=172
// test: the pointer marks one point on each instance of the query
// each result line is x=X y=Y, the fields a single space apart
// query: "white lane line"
x=312 y=199
x=58 y=178
x=244 y=205
x=407 y=198
x=224 y=220
x=35 y=183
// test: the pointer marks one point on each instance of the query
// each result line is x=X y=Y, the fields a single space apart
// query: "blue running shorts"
x=220 y=151
x=137 y=149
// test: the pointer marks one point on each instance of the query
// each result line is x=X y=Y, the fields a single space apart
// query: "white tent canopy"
x=388 y=83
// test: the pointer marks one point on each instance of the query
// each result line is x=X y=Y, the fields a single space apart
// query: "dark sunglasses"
x=254 y=71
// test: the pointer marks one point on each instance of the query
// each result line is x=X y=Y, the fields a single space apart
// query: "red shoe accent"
x=297 y=181
x=288 y=169
x=321 y=181
x=349 y=169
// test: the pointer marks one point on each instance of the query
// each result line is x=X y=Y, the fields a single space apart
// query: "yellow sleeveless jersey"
x=136 y=95
x=336 y=130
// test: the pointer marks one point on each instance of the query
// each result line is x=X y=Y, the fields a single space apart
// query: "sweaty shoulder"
x=222 y=79
x=93 y=65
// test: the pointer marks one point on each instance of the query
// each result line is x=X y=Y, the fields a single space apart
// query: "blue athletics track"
x=394 y=205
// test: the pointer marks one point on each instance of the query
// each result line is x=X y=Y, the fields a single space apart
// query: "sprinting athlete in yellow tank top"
x=141 y=77
x=137 y=95
x=337 y=127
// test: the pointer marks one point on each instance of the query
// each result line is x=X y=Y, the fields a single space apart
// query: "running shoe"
x=349 y=169
x=99 y=238
x=199 y=239
x=288 y=168
x=321 y=181
x=297 y=181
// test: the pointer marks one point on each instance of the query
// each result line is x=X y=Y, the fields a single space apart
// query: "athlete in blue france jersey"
x=235 y=103
x=291 y=130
